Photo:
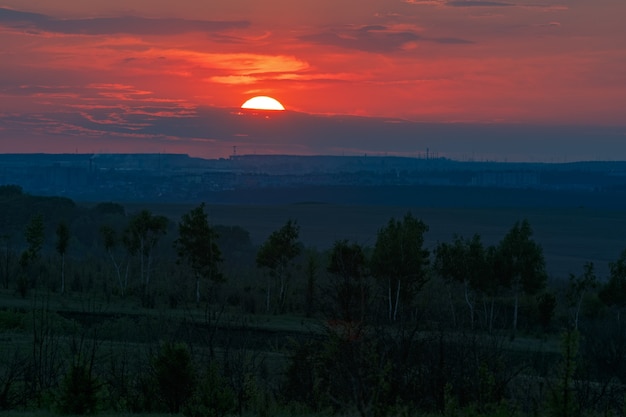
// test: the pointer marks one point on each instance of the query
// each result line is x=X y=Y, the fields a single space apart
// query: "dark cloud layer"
x=110 y=25
x=373 y=38
x=471 y=3
x=212 y=132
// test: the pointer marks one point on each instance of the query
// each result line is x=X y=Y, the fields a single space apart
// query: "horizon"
x=233 y=156
x=512 y=80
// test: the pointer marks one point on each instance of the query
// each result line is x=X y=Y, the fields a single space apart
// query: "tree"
x=79 y=391
x=34 y=235
x=522 y=264
x=197 y=245
x=212 y=397
x=491 y=283
x=348 y=265
x=11 y=190
x=399 y=260
x=7 y=259
x=141 y=237
x=546 y=304
x=311 y=274
x=63 y=240
x=577 y=288
x=276 y=254
x=562 y=396
x=613 y=293
x=175 y=375
x=463 y=261
x=111 y=241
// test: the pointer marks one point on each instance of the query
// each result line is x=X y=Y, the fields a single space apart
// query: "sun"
x=263 y=103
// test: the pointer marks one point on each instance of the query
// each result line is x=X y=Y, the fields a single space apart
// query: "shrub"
x=213 y=397
x=79 y=391
x=175 y=375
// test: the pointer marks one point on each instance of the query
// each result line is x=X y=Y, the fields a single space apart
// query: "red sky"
x=74 y=70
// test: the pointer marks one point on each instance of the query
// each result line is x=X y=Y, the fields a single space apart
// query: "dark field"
x=569 y=236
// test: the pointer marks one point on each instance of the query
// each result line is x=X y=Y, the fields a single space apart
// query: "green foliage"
x=11 y=190
x=522 y=262
x=464 y=261
x=109 y=237
x=141 y=236
x=212 y=397
x=34 y=235
x=349 y=292
x=561 y=398
x=344 y=374
x=276 y=254
x=280 y=248
x=311 y=275
x=577 y=288
x=175 y=375
x=144 y=231
x=302 y=383
x=197 y=245
x=11 y=320
x=79 y=391
x=613 y=293
x=547 y=305
x=399 y=260
x=63 y=238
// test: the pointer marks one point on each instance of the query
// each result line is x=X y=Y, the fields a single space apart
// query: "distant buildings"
x=176 y=177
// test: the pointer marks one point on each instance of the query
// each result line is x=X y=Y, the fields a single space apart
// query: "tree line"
x=401 y=328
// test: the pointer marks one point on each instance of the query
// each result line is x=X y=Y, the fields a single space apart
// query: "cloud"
x=211 y=132
x=473 y=3
x=460 y=3
x=373 y=38
x=131 y=25
x=485 y=3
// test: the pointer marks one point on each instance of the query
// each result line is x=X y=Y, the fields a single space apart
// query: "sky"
x=540 y=80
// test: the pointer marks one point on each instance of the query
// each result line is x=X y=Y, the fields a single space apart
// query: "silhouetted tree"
x=175 y=375
x=577 y=288
x=348 y=265
x=111 y=242
x=34 y=234
x=197 y=245
x=463 y=261
x=613 y=293
x=7 y=260
x=141 y=236
x=11 y=190
x=399 y=260
x=212 y=396
x=311 y=277
x=63 y=240
x=522 y=264
x=276 y=254
x=546 y=305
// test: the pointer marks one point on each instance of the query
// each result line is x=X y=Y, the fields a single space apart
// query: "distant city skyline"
x=513 y=80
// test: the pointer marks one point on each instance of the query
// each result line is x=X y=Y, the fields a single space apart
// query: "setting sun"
x=262 y=103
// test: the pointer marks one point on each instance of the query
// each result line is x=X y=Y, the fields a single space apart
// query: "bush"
x=79 y=391
x=175 y=375
x=10 y=320
x=213 y=397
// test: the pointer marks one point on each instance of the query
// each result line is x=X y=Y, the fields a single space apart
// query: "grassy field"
x=570 y=237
